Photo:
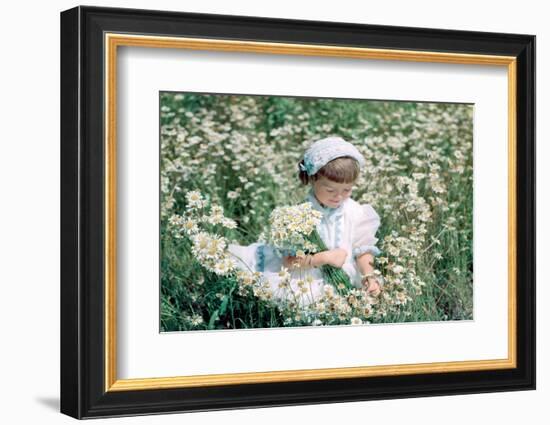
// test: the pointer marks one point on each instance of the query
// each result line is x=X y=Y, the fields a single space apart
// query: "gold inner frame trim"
x=112 y=41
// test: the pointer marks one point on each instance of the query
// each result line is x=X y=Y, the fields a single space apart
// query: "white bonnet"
x=325 y=150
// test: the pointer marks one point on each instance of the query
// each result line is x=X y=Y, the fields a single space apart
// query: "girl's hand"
x=291 y=262
x=335 y=257
x=372 y=286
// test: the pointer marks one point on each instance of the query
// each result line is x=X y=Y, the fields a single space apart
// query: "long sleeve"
x=366 y=224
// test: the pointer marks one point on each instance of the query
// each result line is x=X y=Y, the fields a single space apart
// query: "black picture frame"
x=83 y=168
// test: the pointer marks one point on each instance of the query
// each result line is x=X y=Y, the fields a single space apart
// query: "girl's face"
x=331 y=194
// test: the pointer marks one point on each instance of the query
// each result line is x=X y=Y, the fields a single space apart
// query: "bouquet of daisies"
x=292 y=230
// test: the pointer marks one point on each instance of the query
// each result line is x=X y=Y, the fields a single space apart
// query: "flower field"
x=227 y=162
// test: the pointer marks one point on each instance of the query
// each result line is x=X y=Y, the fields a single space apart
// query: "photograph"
x=279 y=211
x=262 y=212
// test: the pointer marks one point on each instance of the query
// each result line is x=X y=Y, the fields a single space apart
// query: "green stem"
x=333 y=275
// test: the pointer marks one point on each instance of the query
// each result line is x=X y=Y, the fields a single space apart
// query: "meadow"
x=236 y=158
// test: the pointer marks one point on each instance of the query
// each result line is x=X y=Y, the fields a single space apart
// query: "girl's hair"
x=340 y=170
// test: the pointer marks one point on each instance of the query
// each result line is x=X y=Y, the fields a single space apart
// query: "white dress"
x=351 y=226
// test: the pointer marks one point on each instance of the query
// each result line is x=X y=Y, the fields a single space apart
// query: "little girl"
x=330 y=166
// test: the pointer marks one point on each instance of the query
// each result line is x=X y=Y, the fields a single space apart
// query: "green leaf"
x=223 y=306
x=215 y=316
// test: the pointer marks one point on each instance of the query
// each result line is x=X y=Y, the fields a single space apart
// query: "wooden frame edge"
x=113 y=40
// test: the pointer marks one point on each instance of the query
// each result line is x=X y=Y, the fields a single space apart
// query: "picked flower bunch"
x=292 y=230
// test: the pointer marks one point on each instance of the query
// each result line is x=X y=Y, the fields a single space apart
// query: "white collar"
x=328 y=212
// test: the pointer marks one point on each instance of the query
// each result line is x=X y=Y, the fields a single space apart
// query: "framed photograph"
x=262 y=212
